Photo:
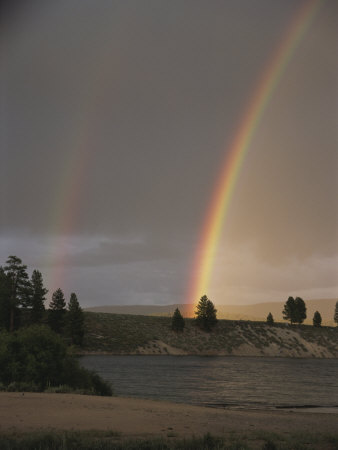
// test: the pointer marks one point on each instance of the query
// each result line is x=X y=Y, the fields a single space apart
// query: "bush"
x=17 y=386
x=35 y=358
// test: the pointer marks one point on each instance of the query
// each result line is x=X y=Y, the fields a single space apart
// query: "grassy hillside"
x=129 y=334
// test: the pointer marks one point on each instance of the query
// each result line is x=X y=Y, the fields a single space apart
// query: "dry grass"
x=133 y=334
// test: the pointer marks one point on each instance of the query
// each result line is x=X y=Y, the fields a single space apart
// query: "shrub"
x=35 y=358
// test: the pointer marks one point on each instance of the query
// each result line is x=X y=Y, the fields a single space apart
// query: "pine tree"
x=57 y=310
x=335 y=317
x=20 y=288
x=177 y=321
x=205 y=314
x=294 y=310
x=317 y=319
x=38 y=297
x=5 y=293
x=269 y=319
x=300 y=310
x=75 y=320
x=289 y=310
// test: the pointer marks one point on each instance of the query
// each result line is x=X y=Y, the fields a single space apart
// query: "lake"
x=230 y=382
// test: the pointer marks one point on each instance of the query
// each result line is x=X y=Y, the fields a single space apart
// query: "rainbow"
x=238 y=149
x=68 y=194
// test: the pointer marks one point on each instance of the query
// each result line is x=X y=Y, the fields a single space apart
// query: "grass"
x=125 y=334
x=112 y=440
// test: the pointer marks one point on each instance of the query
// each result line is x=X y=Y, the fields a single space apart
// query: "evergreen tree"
x=177 y=321
x=317 y=319
x=20 y=288
x=38 y=297
x=269 y=319
x=294 y=310
x=5 y=307
x=289 y=310
x=335 y=317
x=75 y=320
x=57 y=310
x=300 y=310
x=205 y=314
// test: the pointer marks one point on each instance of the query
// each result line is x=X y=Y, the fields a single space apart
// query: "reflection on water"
x=222 y=381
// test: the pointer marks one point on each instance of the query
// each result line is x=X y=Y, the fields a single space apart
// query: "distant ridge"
x=144 y=310
x=258 y=311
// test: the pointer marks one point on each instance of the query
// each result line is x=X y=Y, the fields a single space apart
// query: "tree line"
x=22 y=300
x=34 y=355
x=295 y=311
x=206 y=318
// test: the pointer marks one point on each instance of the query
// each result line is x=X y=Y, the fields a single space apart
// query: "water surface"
x=232 y=382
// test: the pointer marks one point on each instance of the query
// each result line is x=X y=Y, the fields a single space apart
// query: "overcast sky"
x=115 y=118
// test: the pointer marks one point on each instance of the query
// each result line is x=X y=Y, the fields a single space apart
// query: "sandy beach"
x=143 y=418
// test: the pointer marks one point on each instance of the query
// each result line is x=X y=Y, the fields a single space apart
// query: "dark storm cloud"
x=105 y=252
x=147 y=96
x=162 y=107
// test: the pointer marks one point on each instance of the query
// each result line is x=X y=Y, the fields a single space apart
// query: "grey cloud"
x=116 y=119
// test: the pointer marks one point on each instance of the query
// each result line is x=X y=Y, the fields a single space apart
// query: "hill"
x=258 y=311
x=135 y=334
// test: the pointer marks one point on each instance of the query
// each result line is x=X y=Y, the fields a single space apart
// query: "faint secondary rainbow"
x=235 y=155
x=69 y=193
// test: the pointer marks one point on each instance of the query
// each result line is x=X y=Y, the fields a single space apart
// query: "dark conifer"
x=269 y=319
x=20 y=288
x=289 y=310
x=75 y=320
x=5 y=306
x=317 y=319
x=300 y=310
x=38 y=297
x=57 y=310
x=177 y=322
x=335 y=317
x=205 y=314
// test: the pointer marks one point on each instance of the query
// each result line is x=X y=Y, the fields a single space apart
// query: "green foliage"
x=294 y=310
x=177 y=322
x=269 y=319
x=317 y=319
x=57 y=310
x=20 y=288
x=75 y=321
x=78 y=377
x=205 y=314
x=38 y=357
x=5 y=306
x=335 y=317
x=38 y=297
x=33 y=354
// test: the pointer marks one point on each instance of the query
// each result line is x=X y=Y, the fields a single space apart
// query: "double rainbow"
x=235 y=154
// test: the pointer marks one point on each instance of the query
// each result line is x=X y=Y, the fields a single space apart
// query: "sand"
x=143 y=418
